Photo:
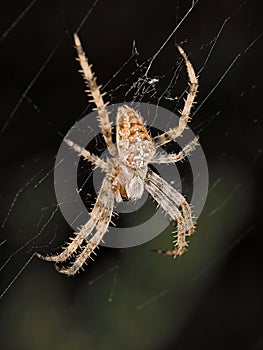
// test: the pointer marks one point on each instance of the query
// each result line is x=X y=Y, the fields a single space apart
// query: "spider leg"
x=176 y=197
x=170 y=199
x=97 y=97
x=101 y=228
x=173 y=158
x=184 y=118
x=87 y=155
x=103 y=201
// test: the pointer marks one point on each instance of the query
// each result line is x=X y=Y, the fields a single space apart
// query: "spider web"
x=132 y=47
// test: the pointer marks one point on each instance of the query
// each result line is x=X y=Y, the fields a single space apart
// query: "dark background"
x=211 y=298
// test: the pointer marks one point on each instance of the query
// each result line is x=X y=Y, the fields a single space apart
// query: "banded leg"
x=102 y=224
x=176 y=157
x=87 y=155
x=176 y=197
x=97 y=97
x=184 y=118
x=104 y=201
x=169 y=206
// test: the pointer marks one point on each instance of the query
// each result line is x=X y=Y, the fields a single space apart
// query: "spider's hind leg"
x=189 y=101
x=96 y=96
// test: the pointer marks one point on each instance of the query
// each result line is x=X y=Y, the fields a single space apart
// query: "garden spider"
x=127 y=173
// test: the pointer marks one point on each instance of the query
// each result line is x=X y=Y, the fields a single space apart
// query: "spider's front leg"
x=103 y=221
x=170 y=199
x=99 y=220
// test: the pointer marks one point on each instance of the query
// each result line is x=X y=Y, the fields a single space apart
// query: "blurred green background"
x=211 y=298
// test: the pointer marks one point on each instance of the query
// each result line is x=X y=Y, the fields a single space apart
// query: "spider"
x=127 y=173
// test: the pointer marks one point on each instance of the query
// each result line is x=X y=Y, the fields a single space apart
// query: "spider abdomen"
x=135 y=146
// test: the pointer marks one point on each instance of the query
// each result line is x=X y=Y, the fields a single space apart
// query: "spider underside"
x=127 y=173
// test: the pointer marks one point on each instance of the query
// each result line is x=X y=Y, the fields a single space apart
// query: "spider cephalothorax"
x=127 y=171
